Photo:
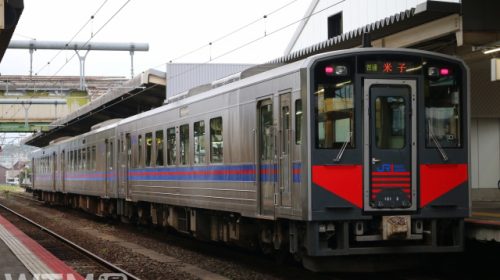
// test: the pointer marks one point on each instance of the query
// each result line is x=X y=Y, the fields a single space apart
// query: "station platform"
x=23 y=258
x=484 y=223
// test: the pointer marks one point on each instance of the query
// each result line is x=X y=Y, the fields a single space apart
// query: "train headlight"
x=341 y=70
x=433 y=72
x=330 y=227
x=322 y=228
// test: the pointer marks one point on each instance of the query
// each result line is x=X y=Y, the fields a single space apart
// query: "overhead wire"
x=255 y=40
x=277 y=30
x=233 y=32
x=104 y=25
x=73 y=37
x=92 y=37
x=24 y=36
x=95 y=33
x=118 y=11
x=237 y=48
x=228 y=34
x=222 y=37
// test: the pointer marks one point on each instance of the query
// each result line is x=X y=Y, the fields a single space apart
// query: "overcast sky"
x=171 y=28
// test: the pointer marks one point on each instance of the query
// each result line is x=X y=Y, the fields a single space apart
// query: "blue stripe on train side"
x=296 y=172
x=217 y=173
x=224 y=173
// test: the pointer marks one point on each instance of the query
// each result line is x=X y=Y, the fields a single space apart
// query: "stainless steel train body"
x=352 y=152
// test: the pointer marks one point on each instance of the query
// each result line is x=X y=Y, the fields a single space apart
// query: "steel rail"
x=73 y=245
x=23 y=197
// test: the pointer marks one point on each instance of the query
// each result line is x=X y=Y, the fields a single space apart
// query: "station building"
x=467 y=29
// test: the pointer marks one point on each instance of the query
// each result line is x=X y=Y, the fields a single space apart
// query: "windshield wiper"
x=342 y=149
x=436 y=142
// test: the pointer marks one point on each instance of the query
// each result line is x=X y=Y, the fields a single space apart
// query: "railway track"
x=25 y=196
x=81 y=259
x=169 y=250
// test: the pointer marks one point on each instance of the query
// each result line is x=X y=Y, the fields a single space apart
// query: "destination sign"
x=391 y=67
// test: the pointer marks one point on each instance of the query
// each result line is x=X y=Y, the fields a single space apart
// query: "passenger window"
x=199 y=142
x=129 y=149
x=110 y=156
x=89 y=159
x=266 y=130
x=171 y=146
x=184 y=144
x=149 y=147
x=84 y=159
x=139 y=146
x=79 y=160
x=70 y=160
x=390 y=131
x=216 y=141
x=94 y=158
x=298 y=121
x=159 y=148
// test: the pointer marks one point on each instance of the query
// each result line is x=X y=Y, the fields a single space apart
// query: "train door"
x=284 y=151
x=390 y=145
x=266 y=167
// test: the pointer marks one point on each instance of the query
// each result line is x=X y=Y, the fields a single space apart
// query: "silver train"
x=355 y=152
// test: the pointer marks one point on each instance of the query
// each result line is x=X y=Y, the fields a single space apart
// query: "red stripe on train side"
x=345 y=181
x=388 y=185
x=391 y=179
x=401 y=174
x=438 y=179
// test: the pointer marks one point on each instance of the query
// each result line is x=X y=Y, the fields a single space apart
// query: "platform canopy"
x=9 y=18
x=144 y=92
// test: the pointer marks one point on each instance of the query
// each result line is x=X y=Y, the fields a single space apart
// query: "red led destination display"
x=391 y=67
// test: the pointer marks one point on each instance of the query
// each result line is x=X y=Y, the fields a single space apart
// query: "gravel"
x=137 y=249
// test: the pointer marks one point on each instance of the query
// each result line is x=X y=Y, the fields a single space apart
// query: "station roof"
x=12 y=12
x=142 y=93
x=423 y=13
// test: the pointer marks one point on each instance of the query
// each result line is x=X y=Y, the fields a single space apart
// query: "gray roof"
x=425 y=12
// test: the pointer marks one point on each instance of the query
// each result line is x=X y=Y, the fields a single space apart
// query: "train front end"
x=389 y=156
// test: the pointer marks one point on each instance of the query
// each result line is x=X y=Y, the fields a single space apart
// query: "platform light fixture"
x=491 y=50
x=495 y=69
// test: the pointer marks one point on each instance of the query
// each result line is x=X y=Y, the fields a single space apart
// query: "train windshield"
x=334 y=105
x=442 y=106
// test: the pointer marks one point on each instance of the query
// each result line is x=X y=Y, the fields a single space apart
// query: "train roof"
x=251 y=77
x=256 y=77
x=242 y=83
